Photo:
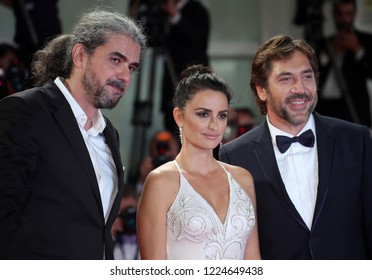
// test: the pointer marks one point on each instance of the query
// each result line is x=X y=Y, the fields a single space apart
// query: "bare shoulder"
x=162 y=182
x=243 y=177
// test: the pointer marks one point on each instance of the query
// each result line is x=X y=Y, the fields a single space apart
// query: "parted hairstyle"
x=92 y=30
x=280 y=47
x=196 y=78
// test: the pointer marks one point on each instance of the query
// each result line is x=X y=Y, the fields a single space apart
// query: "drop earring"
x=181 y=134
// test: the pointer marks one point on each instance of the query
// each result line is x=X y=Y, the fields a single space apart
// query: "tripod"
x=143 y=107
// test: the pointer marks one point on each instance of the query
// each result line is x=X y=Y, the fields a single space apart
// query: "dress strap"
x=227 y=172
x=178 y=167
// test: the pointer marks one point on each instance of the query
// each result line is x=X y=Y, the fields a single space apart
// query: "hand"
x=170 y=7
x=346 y=41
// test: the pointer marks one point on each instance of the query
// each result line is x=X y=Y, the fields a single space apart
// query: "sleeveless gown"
x=194 y=230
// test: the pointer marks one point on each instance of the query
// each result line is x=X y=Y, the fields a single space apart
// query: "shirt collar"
x=99 y=123
x=274 y=131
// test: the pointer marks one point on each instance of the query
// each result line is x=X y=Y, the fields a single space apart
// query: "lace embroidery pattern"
x=192 y=224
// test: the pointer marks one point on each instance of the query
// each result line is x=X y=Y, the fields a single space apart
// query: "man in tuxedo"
x=61 y=176
x=312 y=173
x=345 y=61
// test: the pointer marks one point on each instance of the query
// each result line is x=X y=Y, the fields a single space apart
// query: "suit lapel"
x=112 y=142
x=265 y=156
x=65 y=118
x=325 y=144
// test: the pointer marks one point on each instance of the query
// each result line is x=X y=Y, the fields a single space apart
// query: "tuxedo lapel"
x=66 y=120
x=265 y=156
x=325 y=145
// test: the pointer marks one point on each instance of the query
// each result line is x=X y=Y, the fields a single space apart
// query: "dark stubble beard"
x=98 y=94
x=293 y=118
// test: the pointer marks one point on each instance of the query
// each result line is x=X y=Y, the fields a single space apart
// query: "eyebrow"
x=136 y=64
x=209 y=110
x=306 y=71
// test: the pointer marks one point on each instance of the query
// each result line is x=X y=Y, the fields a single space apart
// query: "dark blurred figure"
x=163 y=148
x=124 y=229
x=12 y=72
x=246 y=120
x=183 y=36
x=36 y=23
x=240 y=121
x=345 y=65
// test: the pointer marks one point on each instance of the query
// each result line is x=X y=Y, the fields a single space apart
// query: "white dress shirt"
x=99 y=152
x=298 y=168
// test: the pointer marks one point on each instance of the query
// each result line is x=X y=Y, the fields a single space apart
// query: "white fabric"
x=194 y=230
x=298 y=168
x=99 y=151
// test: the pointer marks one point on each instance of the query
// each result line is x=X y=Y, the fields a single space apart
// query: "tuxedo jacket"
x=342 y=223
x=50 y=204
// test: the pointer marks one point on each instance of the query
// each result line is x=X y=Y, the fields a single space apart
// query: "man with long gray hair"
x=61 y=175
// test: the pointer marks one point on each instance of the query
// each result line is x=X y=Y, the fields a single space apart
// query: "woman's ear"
x=177 y=115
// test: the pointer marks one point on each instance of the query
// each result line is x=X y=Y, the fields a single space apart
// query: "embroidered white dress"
x=194 y=230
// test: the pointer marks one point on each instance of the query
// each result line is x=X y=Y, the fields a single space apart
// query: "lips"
x=211 y=136
x=118 y=86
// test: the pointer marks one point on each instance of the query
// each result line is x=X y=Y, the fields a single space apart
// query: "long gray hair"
x=92 y=30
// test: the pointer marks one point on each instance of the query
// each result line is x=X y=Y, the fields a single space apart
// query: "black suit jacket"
x=50 y=205
x=342 y=223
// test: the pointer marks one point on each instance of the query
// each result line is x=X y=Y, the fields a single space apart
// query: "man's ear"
x=78 y=55
x=261 y=92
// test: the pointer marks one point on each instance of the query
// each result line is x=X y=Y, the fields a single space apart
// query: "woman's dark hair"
x=194 y=79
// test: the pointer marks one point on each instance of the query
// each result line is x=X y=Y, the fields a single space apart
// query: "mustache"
x=118 y=84
x=298 y=96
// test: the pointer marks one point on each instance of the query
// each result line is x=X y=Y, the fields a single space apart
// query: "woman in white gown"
x=196 y=207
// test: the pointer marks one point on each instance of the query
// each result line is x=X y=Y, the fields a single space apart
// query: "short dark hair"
x=336 y=4
x=279 y=47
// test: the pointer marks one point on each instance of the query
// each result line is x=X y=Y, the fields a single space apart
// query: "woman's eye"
x=203 y=114
x=223 y=116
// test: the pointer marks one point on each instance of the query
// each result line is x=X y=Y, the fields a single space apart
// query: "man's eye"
x=132 y=68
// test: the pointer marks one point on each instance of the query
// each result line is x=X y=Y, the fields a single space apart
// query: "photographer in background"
x=181 y=28
x=36 y=22
x=124 y=229
x=345 y=61
x=12 y=73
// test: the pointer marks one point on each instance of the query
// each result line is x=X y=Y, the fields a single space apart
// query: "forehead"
x=209 y=98
x=296 y=63
x=122 y=44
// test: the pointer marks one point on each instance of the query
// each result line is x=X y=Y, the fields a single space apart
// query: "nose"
x=213 y=124
x=124 y=74
x=298 y=87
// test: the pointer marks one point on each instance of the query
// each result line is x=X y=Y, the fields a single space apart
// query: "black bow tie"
x=307 y=139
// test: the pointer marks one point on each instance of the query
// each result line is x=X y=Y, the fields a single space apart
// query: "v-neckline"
x=227 y=212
